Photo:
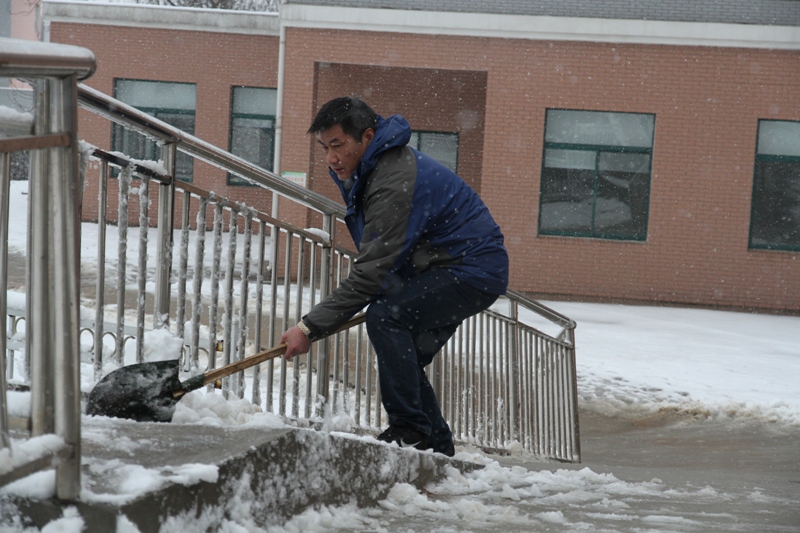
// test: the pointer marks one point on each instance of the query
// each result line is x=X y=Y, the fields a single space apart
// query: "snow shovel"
x=148 y=392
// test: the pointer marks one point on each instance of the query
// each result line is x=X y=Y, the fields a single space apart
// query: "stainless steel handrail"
x=145 y=124
x=526 y=378
x=52 y=265
x=20 y=58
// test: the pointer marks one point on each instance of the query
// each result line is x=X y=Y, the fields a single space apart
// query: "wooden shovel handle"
x=271 y=353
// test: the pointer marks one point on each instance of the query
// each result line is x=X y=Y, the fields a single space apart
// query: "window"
x=775 y=217
x=443 y=147
x=596 y=174
x=174 y=103
x=252 y=134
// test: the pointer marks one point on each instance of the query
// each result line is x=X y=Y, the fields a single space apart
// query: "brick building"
x=630 y=150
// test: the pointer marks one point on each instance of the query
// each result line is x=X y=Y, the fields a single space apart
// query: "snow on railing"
x=225 y=280
x=503 y=380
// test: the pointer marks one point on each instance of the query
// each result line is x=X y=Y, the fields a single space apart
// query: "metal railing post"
x=5 y=191
x=52 y=337
x=166 y=207
x=102 y=198
x=65 y=201
x=37 y=320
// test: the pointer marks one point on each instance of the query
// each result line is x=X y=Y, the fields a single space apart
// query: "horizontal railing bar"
x=131 y=117
x=123 y=162
x=542 y=310
x=20 y=58
x=19 y=423
x=34 y=142
x=257 y=215
x=35 y=465
x=508 y=320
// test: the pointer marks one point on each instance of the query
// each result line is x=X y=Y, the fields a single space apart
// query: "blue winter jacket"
x=407 y=213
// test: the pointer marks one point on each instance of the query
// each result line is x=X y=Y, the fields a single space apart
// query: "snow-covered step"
x=186 y=477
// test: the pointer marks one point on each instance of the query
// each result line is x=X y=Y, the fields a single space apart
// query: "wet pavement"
x=667 y=472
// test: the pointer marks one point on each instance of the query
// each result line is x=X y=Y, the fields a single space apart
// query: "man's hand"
x=296 y=342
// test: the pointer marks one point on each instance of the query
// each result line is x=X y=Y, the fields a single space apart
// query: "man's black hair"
x=351 y=113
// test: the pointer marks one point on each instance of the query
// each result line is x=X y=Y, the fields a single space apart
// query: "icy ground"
x=689 y=419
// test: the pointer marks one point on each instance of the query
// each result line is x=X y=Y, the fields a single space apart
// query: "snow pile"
x=15 y=123
x=22 y=452
x=133 y=481
x=199 y=407
x=634 y=360
x=499 y=498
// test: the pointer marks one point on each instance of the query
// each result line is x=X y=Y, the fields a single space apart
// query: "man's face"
x=342 y=152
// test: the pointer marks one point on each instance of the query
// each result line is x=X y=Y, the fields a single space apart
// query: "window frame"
x=439 y=132
x=598 y=149
x=767 y=158
x=154 y=111
x=233 y=180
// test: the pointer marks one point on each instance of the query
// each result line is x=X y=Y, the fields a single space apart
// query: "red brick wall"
x=707 y=102
x=213 y=61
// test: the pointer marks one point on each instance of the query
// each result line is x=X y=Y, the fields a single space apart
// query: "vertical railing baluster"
x=260 y=254
x=458 y=387
x=368 y=385
x=345 y=356
x=527 y=397
x=5 y=192
x=513 y=379
x=229 y=339
x=473 y=355
x=244 y=290
x=144 y=225
x=378 y=400
x=357 y=384
x=298 y=313
x=452 y=398
x=326 y=273
x=563 y=403
x=100 y=286
x=337 y=350
x=166 y=208
x=183 y=267
x=122 y=258
x=312 y=287
x=197 y=288
x=273 y=311
x=287 y=286
x=213 y=309
x=576 y=437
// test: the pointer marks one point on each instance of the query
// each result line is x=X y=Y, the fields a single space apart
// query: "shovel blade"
x=142 y=392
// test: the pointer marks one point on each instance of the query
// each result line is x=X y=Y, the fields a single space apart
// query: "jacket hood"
x=390 y=133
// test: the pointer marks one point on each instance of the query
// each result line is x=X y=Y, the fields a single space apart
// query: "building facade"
x=631 y=151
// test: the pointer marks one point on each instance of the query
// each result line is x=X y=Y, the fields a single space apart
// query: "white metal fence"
x=228 y=279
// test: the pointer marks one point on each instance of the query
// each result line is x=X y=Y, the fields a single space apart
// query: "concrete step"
x=155 y=474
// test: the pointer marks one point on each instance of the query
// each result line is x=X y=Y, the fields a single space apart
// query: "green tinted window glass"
x=600 y=128
x=252 y=134
x=174 y=103
x=442 y=146
x=596 y=174
x=775 y=211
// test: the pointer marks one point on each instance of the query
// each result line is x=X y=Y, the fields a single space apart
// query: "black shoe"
x=405 y=437
x=445 y=449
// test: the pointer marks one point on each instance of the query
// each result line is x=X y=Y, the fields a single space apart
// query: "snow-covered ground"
x=633 y=361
